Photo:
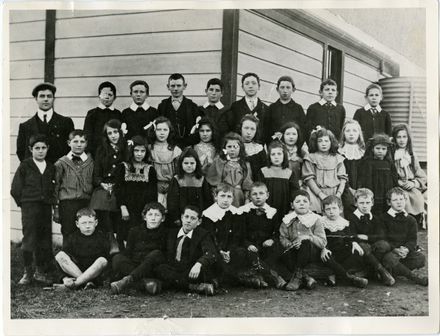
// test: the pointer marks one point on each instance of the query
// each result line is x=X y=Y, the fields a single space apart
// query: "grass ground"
x=403 y=299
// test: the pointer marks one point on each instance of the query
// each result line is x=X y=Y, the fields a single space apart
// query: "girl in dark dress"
x=206 y=148
x=136 y=185
x=378 y=171
x=255 y=153
x=280 y=180
x=108 y=157
x=292 y=137
x=188 y=187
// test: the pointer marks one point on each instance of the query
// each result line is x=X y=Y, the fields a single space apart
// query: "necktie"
x=76 y=159
x=179 y=248
x=328 y=105
x=251 y=105
x=400 y=215
x=45 y=118
x=139 y=110
x=374 y=111
x=364 y=218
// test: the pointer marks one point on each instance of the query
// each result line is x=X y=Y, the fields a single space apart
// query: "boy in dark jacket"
x=401 y=235
x=85 y=253
x=144 y=251
x=190 y=255
x=33 y=191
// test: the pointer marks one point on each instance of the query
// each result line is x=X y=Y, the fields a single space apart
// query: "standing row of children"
x=128 y=176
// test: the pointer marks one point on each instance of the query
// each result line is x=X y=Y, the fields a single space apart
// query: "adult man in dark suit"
x=46 y=121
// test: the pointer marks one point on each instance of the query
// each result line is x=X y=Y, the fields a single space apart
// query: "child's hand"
x=362 y=237
x=297 y=242
x=56 y=215
x=252 y=248
x=104 y=186
x=124 y=213
x=226 y=256
x=355 y=247
x=195 y=270
x=325 y=254
x=268 y=243
x=407 y=185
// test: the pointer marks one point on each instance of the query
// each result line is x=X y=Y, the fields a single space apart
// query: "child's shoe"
x=263 y=284
x=202 y=288
x=331 y=281
x=26 y=279
x=418 y=279
x=152 y=286
x=385 y=276
x=357 y=281
x=118 y=287
x=309 y=281
x=41 y=277
x=277 y=279
x=295 y=281
x=89 y=285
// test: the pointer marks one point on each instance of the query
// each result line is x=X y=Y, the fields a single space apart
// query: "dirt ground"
x=403 y=299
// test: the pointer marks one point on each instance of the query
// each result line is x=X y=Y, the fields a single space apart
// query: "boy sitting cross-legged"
x=143 y=252
x=190 y=255
x=84 y=256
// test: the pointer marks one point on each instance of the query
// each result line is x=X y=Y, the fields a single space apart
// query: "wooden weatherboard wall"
x=272 y=50
x=26 y=54
x=121 y=46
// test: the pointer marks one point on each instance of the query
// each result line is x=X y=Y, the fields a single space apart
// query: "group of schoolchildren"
x=201 y=197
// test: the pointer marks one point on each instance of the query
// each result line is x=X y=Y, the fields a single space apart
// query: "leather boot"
x=277 y=279
x=295 y=281
x=357 y=281
x=202 y=288
x=309 y=281
x=152 y=286
x=26 y=279
x=118 y=287
x=41 y=277
x=385 y=276
x=407 y=273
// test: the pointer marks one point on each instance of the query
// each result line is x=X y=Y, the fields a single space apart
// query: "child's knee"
x=381 y=246
x=62 y=257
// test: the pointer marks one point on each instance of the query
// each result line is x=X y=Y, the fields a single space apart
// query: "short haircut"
x=154 y=206
x=107 y=84
x=224 y=187
x=259 y=184
x=250 y=74
x=330 y=200
x=373 y=86
x=140 y=82
x=397 y=191
x=285 y=79
x=192 y=208
x=328 y=81
x=44 y=86
x=363 y=192
x=78 y=132
x=215 y=81
x=38 y=138
x=176 y=76
x=85 y=212
x=300 y=192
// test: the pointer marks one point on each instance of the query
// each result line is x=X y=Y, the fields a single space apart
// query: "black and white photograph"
x=220 y=167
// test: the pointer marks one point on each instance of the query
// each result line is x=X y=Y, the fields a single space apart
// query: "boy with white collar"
x=326 y=112
x=372 y=118
x=139 y=113
x=260 y=234
x=401 y=235
x=213 y=108
x=98 y=116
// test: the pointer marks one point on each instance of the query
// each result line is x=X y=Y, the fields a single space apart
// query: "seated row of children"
x=247 y=246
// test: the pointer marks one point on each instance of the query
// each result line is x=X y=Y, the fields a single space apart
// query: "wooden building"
x=77 y=50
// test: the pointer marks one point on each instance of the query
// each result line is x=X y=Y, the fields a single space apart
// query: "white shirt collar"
x=182 y=233
x=103 y=107
x=48 y=113
x=135 y=106
x=215 y=213
x=219 y=105
x=368 y=108
x=307 y=219
x=358 y=214
x=323 y=101
x=393 y=212
x=41 y=165
x=83 y=156
x=270 y=212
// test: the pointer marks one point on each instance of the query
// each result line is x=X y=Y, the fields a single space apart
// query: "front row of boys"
x=244 y=245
